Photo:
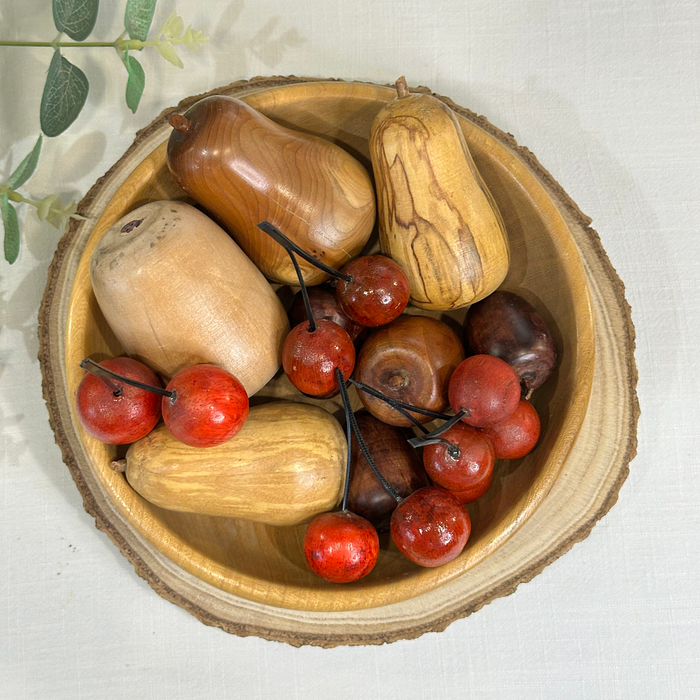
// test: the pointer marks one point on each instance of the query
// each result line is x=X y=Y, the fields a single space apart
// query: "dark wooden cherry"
x=430 y=527
x=310 y=357
x=486 y=389
x=341 y=547
x=507 y=326
x=378 y=292
x=118 y=414
x=324 y=304
x=209 y=407
x=398 y=463
x=410 y=360
x=471 y=470
x=517 y=435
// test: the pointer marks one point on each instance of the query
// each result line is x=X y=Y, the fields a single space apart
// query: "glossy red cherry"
x=430 y=527
x=378 y=293
x=470 y=468
x=518 y=434
x=118 y=419
x=209 y=407
x=341 y=547
x=324 y=304
x=310 y=357
x=486 y=388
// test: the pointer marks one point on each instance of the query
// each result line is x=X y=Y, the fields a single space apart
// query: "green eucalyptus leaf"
x=65 y=92
x=135 y=84
x=138 y=18
x=75 y=17
x=9 y=220
x=26 y=168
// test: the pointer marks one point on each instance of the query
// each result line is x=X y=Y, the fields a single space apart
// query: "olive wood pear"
x=285 y=466
x=177 y=291
x=245 y=168
x=437 y=218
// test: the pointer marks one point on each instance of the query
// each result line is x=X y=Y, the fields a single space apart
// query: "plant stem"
x=15 y=196
x=289 y=245
x=358 y=435
x=304 y=292
x=434 y=437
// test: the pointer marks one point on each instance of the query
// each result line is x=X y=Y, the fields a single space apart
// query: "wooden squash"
x=286 y=465
x=437 y=218
x=177 y=291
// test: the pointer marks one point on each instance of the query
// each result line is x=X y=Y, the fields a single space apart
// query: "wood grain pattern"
x=245 y=168
x=177 y=291
x=437 y=218
x=285 y=466
x=249 y=578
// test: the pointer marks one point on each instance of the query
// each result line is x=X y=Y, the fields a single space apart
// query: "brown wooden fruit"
x=410 y=360
x=397 y=462
x=177 y=291
x=245 y=168
x=437 y=218
x=285 y=466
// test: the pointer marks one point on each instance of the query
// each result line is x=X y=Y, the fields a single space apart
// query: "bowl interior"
x=264 y=563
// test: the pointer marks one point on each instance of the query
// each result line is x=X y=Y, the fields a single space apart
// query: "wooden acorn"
x=437 y=218
x=410 y=360
x=245 y=168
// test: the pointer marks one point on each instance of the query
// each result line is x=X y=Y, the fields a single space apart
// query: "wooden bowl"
x=252 y=579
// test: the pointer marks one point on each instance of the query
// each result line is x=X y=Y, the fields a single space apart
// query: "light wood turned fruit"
x=177 y=291
x=285 y=466
x=437 y=218
x=251 y=579
x=245 y=168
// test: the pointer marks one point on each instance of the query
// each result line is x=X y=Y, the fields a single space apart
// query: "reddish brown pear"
x=398 y=463
x=245 y=168
x=410 y=360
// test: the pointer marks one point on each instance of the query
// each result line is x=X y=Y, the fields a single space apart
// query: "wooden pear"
x=177 y=291
x=437 y=218
x=285 y=466
x=244 y=168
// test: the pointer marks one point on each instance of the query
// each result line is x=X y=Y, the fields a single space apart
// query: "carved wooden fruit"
x=410 y=360
x=245 y=168
x=437 y=218
x=398 y=462
x=177 y=291
x=285 y=466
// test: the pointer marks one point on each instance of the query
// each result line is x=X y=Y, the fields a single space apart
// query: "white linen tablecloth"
x=606 y=93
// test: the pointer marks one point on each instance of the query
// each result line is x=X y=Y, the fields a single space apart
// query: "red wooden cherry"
x=430 y=527
x=470 y=469
x=341 y=547
x=123 y=418
x=310 y=357
x=378 y=292
x=324 y=304
x=485 y=388
x=209 y=407
x=517 y=435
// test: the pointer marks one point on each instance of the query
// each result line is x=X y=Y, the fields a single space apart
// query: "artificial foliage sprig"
x=51 y=208
x=66 y=88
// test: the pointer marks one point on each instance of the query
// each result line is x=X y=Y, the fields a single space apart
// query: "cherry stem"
x=434 y=437
x=106 y=375
x=290 y=245
x=304 y=292
x=396 y=404
x=350 y=415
